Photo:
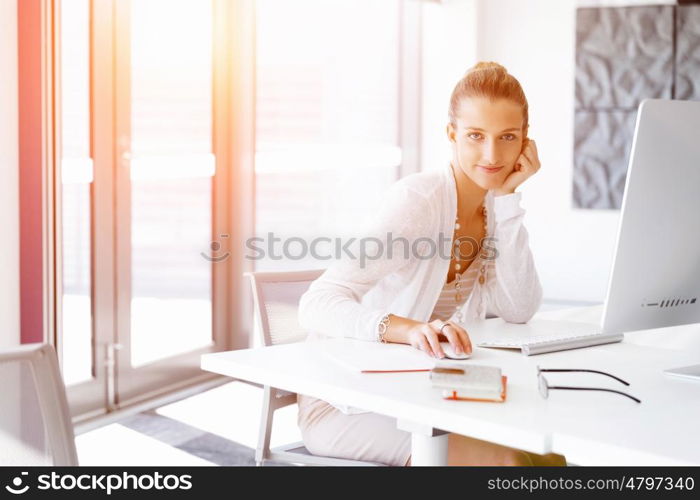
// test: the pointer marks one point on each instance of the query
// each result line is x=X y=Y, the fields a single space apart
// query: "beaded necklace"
x=458 y=266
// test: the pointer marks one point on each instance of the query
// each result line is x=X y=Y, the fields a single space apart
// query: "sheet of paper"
x=375 y=357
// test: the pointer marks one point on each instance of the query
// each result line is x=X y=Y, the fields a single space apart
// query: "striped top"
x=446 y=305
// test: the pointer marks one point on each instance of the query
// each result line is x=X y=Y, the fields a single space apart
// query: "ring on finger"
x=444 y=325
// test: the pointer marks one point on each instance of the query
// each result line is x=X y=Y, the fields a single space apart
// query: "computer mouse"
x=450 y=353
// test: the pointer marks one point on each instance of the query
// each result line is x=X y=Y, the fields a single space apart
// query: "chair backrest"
x=276 y=302
x=35 y=424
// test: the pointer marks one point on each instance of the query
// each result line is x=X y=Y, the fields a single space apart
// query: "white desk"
x=590 y=428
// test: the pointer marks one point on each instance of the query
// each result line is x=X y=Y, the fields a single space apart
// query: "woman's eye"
x=509 y=137
x=474 y=135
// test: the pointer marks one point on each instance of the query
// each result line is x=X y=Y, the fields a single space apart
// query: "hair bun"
x=487 y=79
x=487 y=65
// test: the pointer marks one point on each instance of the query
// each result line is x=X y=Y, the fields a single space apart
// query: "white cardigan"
x=349 y=298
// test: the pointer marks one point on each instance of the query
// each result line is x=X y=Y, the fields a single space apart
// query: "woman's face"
x=487 y=139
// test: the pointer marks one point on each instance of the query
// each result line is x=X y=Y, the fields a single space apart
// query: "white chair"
x=276 y=300
x=35 y=424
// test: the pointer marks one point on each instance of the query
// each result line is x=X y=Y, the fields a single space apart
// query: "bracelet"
x=383 y=327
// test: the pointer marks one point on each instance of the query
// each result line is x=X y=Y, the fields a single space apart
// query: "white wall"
x=9 y=223
x=535 y=41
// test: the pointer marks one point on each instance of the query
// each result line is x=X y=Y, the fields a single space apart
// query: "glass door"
x=81 y=352
x=163 y=185
x=140 y=195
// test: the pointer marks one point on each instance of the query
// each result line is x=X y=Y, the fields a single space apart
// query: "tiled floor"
x=216 y=427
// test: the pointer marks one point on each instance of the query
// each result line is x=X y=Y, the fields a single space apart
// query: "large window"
x=171 y=177
x=327 y=142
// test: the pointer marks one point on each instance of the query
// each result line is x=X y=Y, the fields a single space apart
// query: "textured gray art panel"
x=688 y=53
x=601 y=144
x=623 y=55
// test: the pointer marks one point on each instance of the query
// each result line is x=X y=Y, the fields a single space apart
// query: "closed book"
x=469 y=382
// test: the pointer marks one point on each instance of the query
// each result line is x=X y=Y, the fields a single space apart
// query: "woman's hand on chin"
x=526 y=166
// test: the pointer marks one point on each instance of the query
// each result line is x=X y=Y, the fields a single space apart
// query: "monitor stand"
x=686 y=372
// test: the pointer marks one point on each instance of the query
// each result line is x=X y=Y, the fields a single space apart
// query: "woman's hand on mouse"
x=527 y=165
x=427 y=337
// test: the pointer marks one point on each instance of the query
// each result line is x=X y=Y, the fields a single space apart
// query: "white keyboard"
x=539 y=344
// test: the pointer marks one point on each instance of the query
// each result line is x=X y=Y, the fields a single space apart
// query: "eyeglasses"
x=545 y=387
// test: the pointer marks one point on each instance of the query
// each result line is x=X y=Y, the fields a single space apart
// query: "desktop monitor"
x=655 y=278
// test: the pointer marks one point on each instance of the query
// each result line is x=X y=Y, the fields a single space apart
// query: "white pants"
x=370 y=437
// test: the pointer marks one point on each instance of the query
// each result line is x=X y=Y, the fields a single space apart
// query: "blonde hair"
x=490 y=80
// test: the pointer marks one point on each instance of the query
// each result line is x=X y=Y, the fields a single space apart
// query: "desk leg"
x=428 y=445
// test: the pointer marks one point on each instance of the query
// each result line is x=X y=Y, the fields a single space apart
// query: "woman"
x=408 y=295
